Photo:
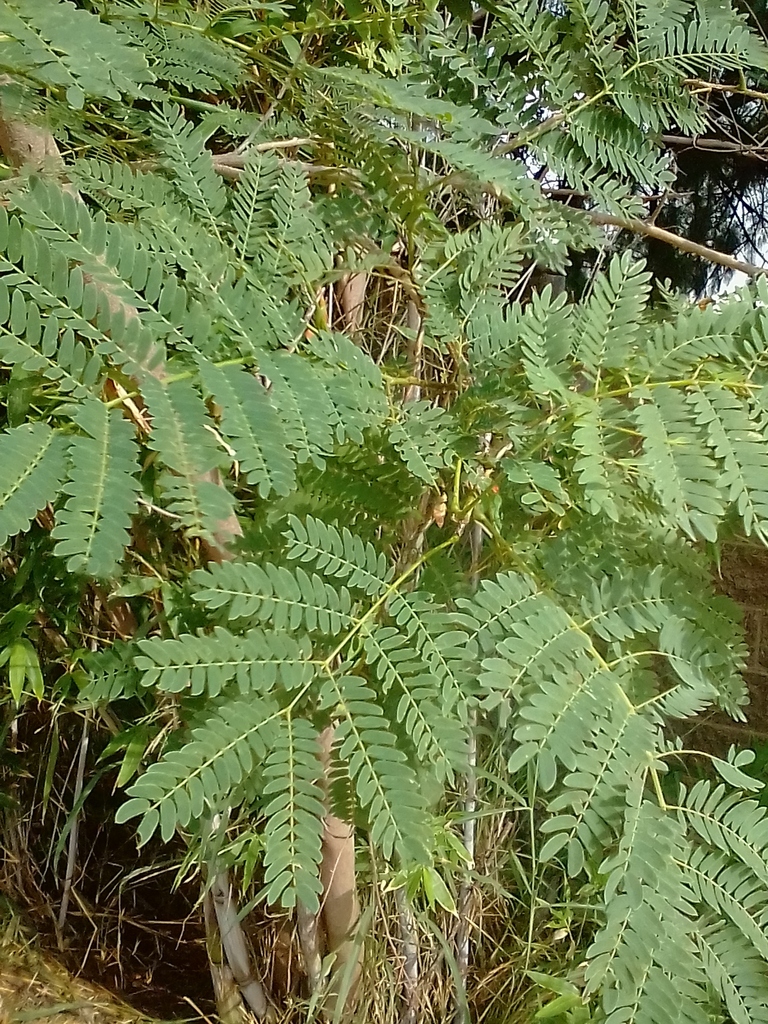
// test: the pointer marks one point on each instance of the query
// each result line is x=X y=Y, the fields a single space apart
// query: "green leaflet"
x=646 y=921
x=190 y=454
x=298 y=238
x=286 y=598
x=257 y=662
x=191 y=164
x=545 y=331
x=352 y=382
x=739 y=444
x=91 y=529
x=736 y=972
x=59 y=45
x=294 y=813
x=439 y=740
x=674 y=347
x=423 y=440
x=308 y=415
x=683 y=474
x=115 y=283
x=386 y=785
x=253 y=427
x=183 y=56
x=45 y=345
x=338 y=554
x=198 y=777
x=587 y=814
x=252 y=204
x=41 y=304
x=610 y=317
x=592 y=437
x=33 y=460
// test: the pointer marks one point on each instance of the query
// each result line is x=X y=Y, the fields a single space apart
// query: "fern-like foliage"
x=60 y=46
x=518 y=552
x=191 y=165
x=189 y=451
x=289 y=599
x=35 y=466
x=92 y=526
x=292 y=848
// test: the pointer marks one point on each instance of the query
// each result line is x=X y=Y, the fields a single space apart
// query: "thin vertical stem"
x=410 y=944
x=309 y=941
x=469 y=835
x=74 y=832
x=470 y=791
x=415 y=324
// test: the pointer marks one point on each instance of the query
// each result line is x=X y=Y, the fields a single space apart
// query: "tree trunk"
x=340 y=910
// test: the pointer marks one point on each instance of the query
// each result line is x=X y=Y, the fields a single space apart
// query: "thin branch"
x=232 y=168
x=351 y=289
x=237 y=159
x=573 y=193
x=156 y=509
x=716 y=146
x=415 y=323
x=705 y=252
x=470 y=792
x=340 y=909
x=734 y=90
x=229 y=1003
x=281 y=92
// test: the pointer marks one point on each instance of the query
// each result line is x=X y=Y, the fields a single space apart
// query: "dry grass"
x=35 y=987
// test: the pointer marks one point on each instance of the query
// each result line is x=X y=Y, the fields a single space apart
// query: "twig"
x=533 y=133
x=273 y=105
x=157 y=510
x=340 y=908
x=229 y=1003
x=574 y=193
x=640 y=227
x=197 y=1010
x=470 y=793
x=351 y=290
x=75 y=830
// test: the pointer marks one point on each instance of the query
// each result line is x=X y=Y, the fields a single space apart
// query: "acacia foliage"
x=170 y=361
